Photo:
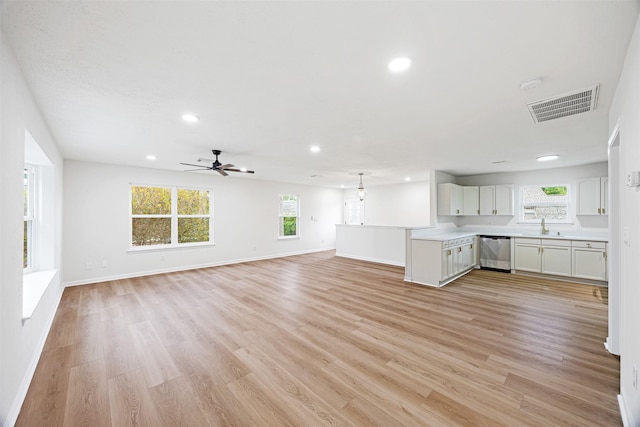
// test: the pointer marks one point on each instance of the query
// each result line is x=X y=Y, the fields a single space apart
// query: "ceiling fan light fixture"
x=151 y=157
x=315 y=149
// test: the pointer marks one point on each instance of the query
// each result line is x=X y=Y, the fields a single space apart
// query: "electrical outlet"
x=635 y=377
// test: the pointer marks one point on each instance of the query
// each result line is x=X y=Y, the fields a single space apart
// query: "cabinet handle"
x=478 y=211
x=602 y=211
x=599 y=211
x=458 y=211
x=460 y=249
x=589 y=245
x=604 y=254
x=471 y=246
x=449 y=252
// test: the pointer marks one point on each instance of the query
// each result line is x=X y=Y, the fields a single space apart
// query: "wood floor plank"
x=130 y=401
x=316 y=339
x=87 y=401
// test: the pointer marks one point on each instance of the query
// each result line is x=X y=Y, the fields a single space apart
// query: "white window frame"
x=281 y=217
x=174 y=219
x=353 y=201
x=30 y=217
x=521 y=213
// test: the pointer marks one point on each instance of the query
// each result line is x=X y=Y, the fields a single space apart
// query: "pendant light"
x=361 y=191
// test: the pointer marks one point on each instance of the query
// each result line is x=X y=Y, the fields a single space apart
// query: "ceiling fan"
x=216 y=165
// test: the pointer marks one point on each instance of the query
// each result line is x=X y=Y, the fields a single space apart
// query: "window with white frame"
x=170 y=216
x=550 y=202
x=289 y=213
x=354 y=211
x=29 y=192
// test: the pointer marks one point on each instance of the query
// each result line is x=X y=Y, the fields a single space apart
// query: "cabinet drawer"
x=527 y=241
x=588 y=244
x=556 y=242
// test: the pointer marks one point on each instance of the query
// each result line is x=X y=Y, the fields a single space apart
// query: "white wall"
x=245 y=210
x=626 y=110
x=566 y=175
x=402 y=205
x=21 y=344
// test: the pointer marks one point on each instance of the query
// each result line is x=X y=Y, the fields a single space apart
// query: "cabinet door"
x=604 y=195
x=449 y=199
x=471 y=201
x=447 y=264
x=590 y=263
x=588 y=197
x=556 y=260
x=487 y=199
x=527 y=257
x=503 y=200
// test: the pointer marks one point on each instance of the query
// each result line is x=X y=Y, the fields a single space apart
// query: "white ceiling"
x=269 y=79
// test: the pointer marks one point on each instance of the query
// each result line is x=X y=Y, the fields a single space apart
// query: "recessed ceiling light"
x=190 y=118
x=399 y=64
x=315 y=149
x=547 y=158
x=151 y=157
x=341 y=185
x=407 y=179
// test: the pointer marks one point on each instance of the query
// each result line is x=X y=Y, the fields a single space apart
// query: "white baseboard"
x=16 y=406
x=370 y=259
x=189 y=267
x=626 y=422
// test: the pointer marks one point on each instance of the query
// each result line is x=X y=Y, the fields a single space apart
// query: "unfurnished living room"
x=252 y=213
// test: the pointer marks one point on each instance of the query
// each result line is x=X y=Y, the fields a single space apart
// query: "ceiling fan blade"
x=202 y=159
x=227 y=166
x=239 y=170
x=221 y=172
x=198 y=166
x=193 y=170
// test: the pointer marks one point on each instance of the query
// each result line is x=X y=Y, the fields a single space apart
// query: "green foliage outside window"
x=153 y=215
x=289 y=226
x=552 y=191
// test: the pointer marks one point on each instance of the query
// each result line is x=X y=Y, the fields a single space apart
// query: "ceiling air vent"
x=576 y=102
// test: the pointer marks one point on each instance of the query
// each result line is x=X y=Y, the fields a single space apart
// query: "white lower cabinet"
x=548 y=256
x=437 y=262
x=570 y=258
x=589 y=260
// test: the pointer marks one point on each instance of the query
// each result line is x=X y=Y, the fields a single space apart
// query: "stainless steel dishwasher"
x=495 y=253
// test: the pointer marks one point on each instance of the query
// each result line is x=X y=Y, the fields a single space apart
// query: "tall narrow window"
x=29 y=216
x=170 y=216
x=548 y=202
x=288 y=216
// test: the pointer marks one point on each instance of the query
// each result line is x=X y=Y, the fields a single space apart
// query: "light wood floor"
x=315 y=339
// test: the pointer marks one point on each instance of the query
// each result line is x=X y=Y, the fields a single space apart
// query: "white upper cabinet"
x=450 y=199
x=471 y=201
x=496 y=199
x=593 y=196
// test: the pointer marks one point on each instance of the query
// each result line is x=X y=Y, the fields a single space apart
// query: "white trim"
x=191 y=267
x=16 y=406
x=627 y=417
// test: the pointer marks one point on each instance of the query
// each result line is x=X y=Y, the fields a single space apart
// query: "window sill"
x=288 y=237
x=34 y=286
x=161 y=248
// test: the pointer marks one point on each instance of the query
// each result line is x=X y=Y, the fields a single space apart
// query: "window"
x=29 y=216
x=170 y=216
x=354 y=212
x=288 y=216
x=548 y=202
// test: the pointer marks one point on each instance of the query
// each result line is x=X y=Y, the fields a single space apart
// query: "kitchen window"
x=550 y=202
x=163 y=217
x=289 y=212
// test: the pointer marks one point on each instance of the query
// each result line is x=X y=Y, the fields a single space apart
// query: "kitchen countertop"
x=459 y=234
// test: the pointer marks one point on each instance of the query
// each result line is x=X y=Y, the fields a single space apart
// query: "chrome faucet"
x=544 y=230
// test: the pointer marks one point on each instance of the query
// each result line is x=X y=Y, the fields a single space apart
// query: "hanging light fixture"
x=361 y=191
